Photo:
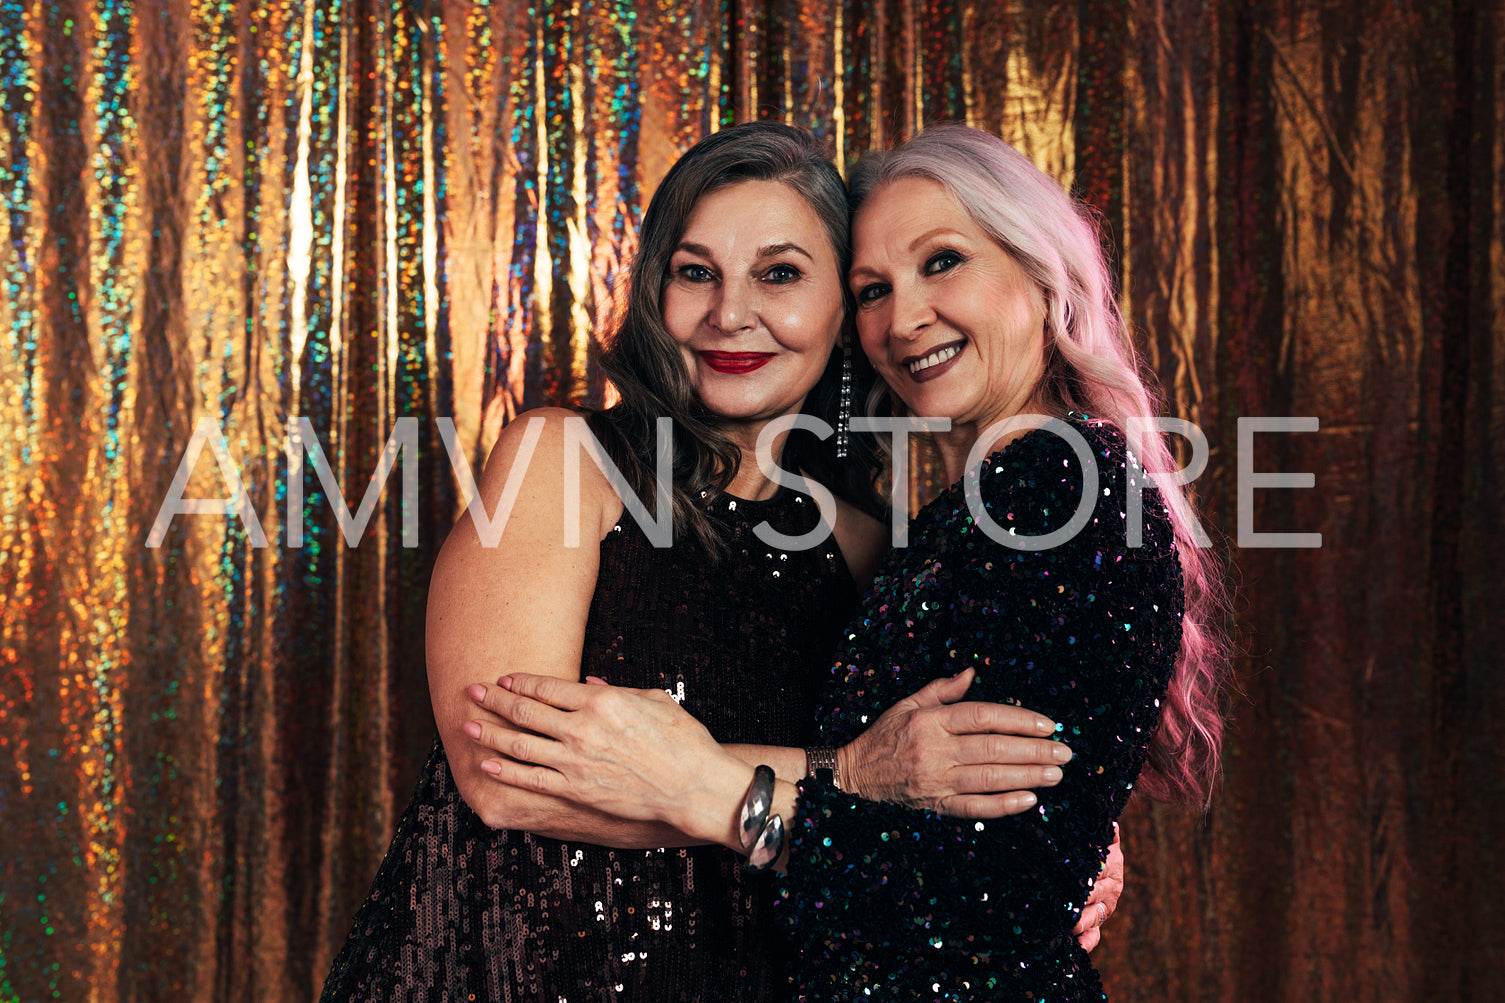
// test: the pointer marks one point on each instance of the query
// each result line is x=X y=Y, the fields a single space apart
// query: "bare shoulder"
x=553 y=428
x=863 y=541
x=541 y=449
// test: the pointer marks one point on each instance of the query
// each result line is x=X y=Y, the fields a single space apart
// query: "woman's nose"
x=733 y=309
x=912 y=313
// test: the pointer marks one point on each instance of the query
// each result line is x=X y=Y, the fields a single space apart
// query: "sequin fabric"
x=460 y=912
x=892 y=903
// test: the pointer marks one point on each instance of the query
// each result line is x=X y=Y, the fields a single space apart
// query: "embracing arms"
x=638 y=754
x=1088 y=632
x=523 y=605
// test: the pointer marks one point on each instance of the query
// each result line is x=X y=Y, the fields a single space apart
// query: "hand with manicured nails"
x=631 y=753
x=968 y=760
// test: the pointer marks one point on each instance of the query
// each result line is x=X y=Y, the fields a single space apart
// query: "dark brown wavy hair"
x=646 y=366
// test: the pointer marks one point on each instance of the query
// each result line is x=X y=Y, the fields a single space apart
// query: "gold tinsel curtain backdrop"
x=357 y=212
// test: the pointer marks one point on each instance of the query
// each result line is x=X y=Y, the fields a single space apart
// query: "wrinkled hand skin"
x=968 y=760
x=1103 y=901
x=631 y=753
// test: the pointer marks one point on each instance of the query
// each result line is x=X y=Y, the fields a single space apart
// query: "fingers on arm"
x=985 y=806
x=517 y=745
x=996 y=773
x=527 y=777
x=991 y=778
x=565 y=694
x=530 y=713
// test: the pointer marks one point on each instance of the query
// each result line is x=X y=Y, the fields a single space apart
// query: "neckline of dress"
x=727 y=502
x=1076 y=418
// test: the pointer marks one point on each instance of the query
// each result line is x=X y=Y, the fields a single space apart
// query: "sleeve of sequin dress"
x=878 y=895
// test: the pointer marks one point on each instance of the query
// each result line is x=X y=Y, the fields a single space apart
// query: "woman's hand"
x=968 y=760
x=1104 y=898
x=634 y=754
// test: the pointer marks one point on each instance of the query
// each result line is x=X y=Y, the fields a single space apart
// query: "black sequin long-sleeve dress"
x=461 y=912
x=907 y=904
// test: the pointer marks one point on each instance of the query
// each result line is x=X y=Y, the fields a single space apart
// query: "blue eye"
x=781 y=274
x=942 y=261
x=871 y=293
x=695 y=273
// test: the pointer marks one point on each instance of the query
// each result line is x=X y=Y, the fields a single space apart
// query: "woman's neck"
x=956 y=444
x=751 y=483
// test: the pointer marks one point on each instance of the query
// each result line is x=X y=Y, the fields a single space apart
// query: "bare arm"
x=523 y=603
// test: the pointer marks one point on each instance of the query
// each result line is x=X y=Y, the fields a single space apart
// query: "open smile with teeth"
x=935 y=358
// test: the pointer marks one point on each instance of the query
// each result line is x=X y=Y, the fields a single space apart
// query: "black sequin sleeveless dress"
x=460 y=912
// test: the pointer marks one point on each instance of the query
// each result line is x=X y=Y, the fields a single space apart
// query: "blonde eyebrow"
x=929 y=235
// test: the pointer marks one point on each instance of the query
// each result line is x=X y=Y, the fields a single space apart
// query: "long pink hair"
x=1091 y=367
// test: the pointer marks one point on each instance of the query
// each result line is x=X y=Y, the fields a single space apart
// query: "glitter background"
x=352 y=212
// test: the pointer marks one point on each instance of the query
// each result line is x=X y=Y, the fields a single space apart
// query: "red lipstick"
x=736 y=363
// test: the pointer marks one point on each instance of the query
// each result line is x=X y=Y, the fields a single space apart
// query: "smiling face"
x=949 y=319
x=754 y=300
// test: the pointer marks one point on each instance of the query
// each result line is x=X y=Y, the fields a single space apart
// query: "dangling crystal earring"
x=844 y=412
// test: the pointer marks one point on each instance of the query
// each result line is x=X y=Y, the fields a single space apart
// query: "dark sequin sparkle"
x=459 y=911
x=891 y=903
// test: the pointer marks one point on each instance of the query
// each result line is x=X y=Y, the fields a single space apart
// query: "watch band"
x=821 y=763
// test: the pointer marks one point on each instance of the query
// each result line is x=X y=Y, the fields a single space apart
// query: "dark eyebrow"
x=774 y=250
x=767 y=251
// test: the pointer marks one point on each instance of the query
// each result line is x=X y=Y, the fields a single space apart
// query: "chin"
x=738 y=413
